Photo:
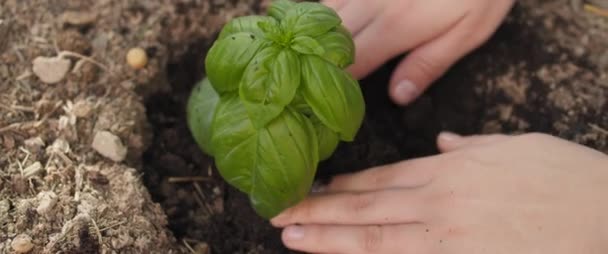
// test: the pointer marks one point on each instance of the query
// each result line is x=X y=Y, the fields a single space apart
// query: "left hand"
x=485 y=194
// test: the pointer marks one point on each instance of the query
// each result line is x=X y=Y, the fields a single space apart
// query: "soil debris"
x=22 y=243
x=109 y=145
x=51 y=70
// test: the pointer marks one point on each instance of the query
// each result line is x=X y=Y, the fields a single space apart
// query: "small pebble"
x=50 y=70
x=47 y=200
x=137 y=58
x=22 y=243
x=109 y=145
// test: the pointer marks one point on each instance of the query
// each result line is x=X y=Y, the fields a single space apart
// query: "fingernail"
x=405 y=92
x=294 y=232
x=449 y=136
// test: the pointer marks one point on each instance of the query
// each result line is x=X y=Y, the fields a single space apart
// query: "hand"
x=437 y=32
x=485 y=194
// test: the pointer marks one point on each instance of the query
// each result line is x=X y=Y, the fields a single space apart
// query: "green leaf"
x=328 y=139
x=246 y=24
x=299 y=104
x=271 y=30
x=306 y=45
x=334 y=96
x=200 y=111
x=275 y=165
x=229 y=57
x=339 y=46
x=310 y=19
x=270 y=83
x=279 y=8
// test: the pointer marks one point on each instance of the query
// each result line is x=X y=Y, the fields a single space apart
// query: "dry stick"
x=83 y=57
x=597 y=128
x=113 y=225
x=184 y=179
x=199 y=190
x=596 y=10
x=97 y=231
x=188 y=246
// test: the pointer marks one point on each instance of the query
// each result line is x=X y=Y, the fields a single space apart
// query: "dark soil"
x=516 y=83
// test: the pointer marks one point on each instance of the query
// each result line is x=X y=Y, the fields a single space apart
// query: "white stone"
x=22 y=243
x=109 y=145
x=51 y=70
x=46 y=202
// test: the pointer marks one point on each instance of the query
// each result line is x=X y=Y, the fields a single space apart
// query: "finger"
x=335 y=4
x=407 y=174
x=430 y=61
x=404 y=238
x=379 y=207
x=447 y=142
x=380 y=41
x=357 y=14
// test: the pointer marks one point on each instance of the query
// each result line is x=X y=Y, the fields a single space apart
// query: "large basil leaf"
x=287 y=162
x=270 y=83
x=279 y=8
x=307 y=46
x=248 y=24
x=333 y=95
x=339 y=46
x=228 y=58
x=234 y=141
x=200 y=111
x=328 y=139
x=275 y=165
x=310 y=19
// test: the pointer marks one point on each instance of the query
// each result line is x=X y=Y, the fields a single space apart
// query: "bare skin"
x=436 y=33
x=484 y=194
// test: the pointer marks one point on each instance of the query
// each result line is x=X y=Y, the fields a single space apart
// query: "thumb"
x=448 y=142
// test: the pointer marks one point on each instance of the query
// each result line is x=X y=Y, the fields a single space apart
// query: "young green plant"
x=276 y=101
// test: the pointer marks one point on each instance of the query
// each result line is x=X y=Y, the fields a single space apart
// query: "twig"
x=83 y=57
x=599 y=129
x=185 y=179
x=596 y=10
x=200 y=193
x=9 y=127
x=188 y=246
x=22 y=108
x=113 y=225
x=97 y=231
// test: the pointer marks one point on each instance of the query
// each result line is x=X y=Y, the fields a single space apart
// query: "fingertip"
x=279 y=220
x=404 y=92
x=293 y=233
x=412 y=77
x=447 y=141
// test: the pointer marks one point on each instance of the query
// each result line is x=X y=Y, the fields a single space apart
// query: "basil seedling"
x=276 y=101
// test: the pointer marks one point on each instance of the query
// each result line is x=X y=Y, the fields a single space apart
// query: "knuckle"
x=426 y=67
x=372 y=239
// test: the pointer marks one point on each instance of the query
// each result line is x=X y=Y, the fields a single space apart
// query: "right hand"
x=436 y=32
